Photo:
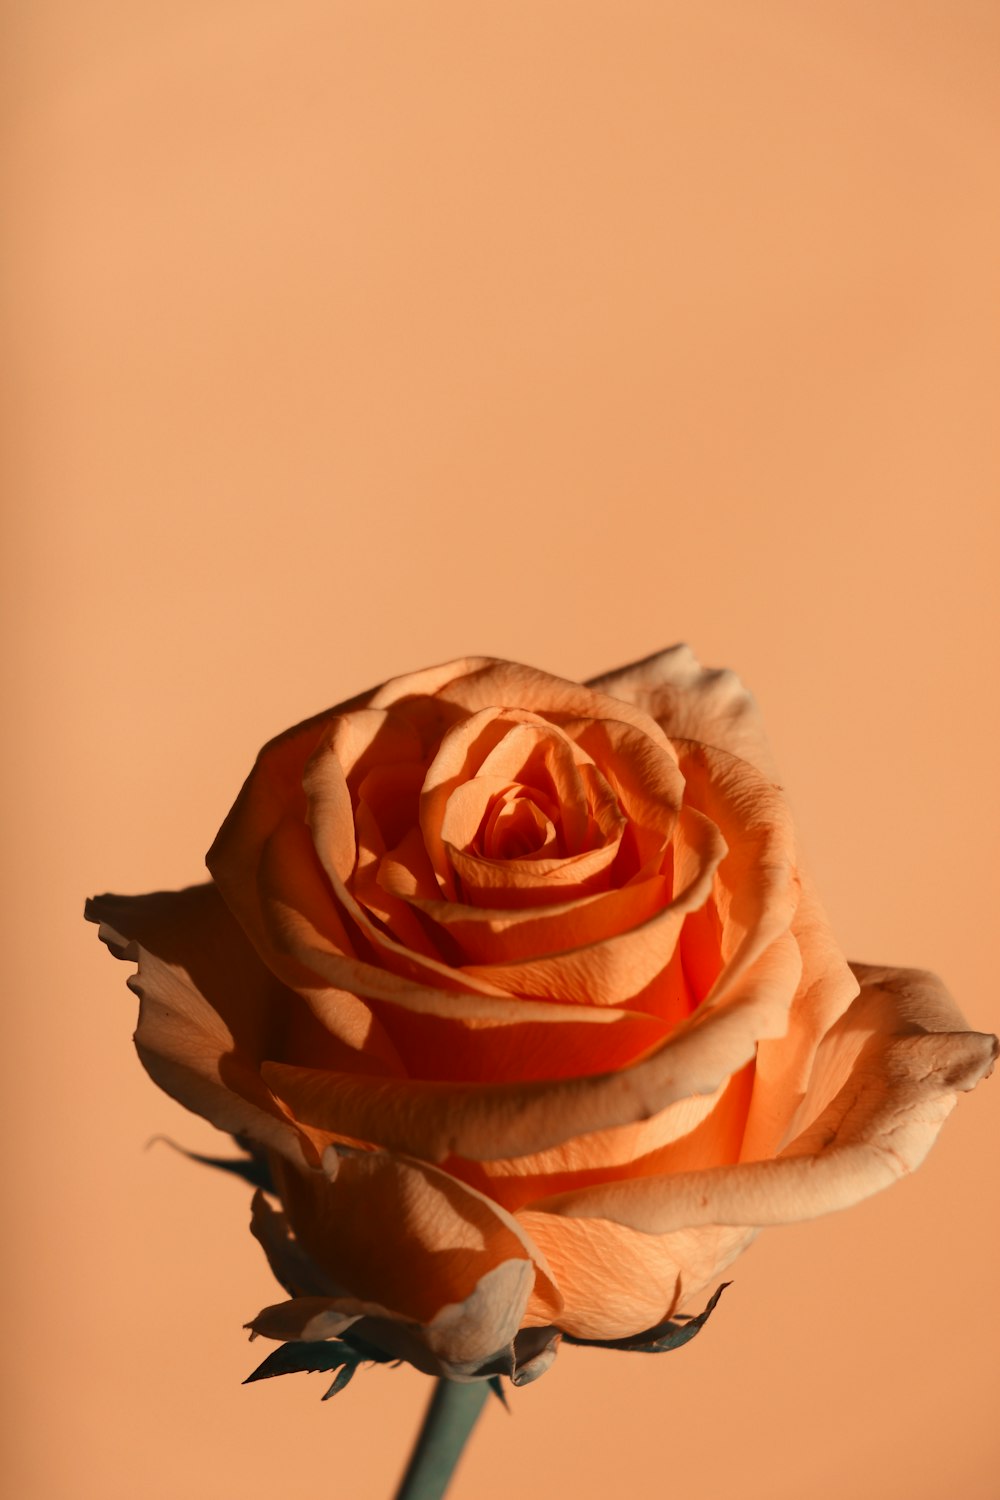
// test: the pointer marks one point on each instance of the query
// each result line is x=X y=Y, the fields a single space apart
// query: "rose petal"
x=784 y=1064
x=303 y=933
x=308 y=1318
x=757 y=888
x=457 y=1341
x=296 y=1271
x=536 y=754
x=475 y=808
x=475 y=683
x=616 y=1282
x=613 y=969
x=489 y=1121
x=399 y=1234
x=209 y=1010
x=690 y=1134
x=643 y=776
x=885 y=1080
x=499 y=746
x=341 y=924
x=563 y=1042
x=693 y=702
x=518 y=883
x=517 y=827
x=272 y=792
x=483 y=933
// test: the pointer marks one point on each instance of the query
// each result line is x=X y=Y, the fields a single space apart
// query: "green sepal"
x=311 y=1354
x=252 y=1167
x=497 y=1388
x=670 y=1334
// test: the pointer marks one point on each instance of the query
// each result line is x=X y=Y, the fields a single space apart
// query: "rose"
x=519 y=986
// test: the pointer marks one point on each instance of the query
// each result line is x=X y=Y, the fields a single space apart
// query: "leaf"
x=670 y=1334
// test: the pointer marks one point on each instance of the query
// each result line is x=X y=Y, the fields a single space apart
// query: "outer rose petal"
x=400 y=1239
x=209 y=1010
x=482 y=682
x=448 y=1344
x=884 y=1081
x=617 y=1281
x=693 y=702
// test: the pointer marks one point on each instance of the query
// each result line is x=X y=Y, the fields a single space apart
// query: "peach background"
x=347 y=337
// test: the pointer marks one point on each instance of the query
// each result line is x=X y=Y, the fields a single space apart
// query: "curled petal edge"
x=902 y=1081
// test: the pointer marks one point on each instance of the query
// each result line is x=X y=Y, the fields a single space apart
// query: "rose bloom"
x=521 y=989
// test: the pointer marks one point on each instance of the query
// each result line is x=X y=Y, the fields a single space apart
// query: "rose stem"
x=451 y=1416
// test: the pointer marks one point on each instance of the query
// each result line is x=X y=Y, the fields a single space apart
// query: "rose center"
x=517 y=827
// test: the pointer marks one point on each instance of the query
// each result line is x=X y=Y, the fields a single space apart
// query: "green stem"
x=450 y=1418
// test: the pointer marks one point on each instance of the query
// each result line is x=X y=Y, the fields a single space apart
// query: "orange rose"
x=519 y=986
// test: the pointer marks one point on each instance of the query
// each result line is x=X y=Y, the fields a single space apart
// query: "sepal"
x=321 y=1354
x=252 y=1166
x=670 y=1334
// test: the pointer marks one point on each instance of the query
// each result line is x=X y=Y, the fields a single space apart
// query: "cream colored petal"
x=884 y=1081
x=693 y=702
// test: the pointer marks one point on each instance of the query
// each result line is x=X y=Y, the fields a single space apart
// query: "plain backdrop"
x=346 y=336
